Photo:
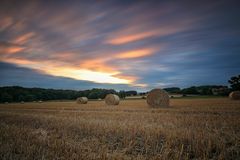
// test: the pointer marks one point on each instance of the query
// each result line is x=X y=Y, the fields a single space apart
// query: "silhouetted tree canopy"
x=235 y=83
x=18 y=94
x=173 y=90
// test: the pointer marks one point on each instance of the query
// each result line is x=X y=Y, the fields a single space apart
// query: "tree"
x=191 y=90
x=235 y=83
x=131 y=93
x=122 y=94
x=30 y=98
x=21 y=98
x=93 y=95
x=173 y=90
x=5 y=97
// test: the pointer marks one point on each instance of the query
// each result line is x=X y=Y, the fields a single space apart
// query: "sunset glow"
x=88 y=75
x=10 y=49
x=135 y=54
x=73 y=72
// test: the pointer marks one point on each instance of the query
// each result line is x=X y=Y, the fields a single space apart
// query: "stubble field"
x=190 y=129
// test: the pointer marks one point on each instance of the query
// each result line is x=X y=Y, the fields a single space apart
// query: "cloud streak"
x=136 y=44
x=135 y=54
x=9 y=48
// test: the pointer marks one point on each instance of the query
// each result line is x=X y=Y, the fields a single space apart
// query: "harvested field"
x=189 y=129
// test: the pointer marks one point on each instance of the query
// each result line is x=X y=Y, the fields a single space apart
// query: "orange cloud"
x=14 y=49
x=141 y=85
x=23 y=38
x=89 y=75
x=98 y=64
x=131 y=38
x=63 y=56
x=18 y=61
x=56 y=68
x=131 y=79
x=10 y=49
x=135 y=33
x=135 y=54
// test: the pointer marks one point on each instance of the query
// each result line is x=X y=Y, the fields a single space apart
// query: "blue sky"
x=118 y=44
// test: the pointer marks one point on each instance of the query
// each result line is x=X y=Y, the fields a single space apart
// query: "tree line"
x=18 y=94
x=201 y=90
x=234 y=83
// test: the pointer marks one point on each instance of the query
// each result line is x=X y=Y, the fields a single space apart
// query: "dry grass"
x=191 y=129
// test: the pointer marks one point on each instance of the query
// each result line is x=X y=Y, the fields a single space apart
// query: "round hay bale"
x=112 y=99
x=158 y=98
x=235 y=95
x=82 y=100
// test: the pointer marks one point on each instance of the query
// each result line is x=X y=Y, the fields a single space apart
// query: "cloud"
x=138 y=43
x=135 y=54
x=126 y=36
x=98 y=64
x=131 y=38
x=9 y=48
x=84 y=74
x=13 y=75
x=23 y=38
x=79 y=73
x=5 y=23
x=141 y=85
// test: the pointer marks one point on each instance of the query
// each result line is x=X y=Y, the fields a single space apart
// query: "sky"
x=123 y=44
